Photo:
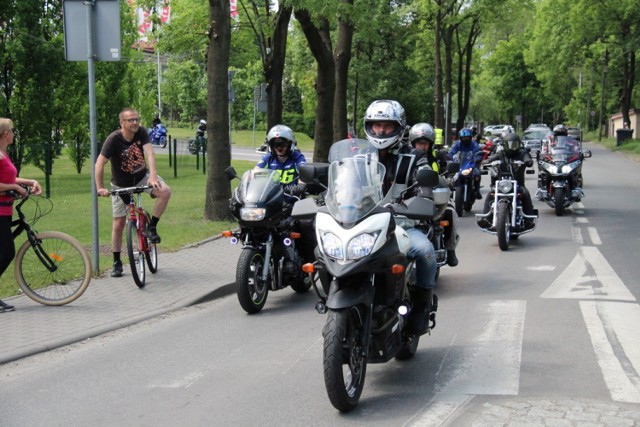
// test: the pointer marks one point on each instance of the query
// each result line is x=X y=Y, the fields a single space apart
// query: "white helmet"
x=280 y=133
x=203 y=122
x=385 y=111
x=420 y=132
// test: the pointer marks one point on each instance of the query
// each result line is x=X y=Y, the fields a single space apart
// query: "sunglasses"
x=133 y=120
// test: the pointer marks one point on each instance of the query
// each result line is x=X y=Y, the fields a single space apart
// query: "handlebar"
x=129 y=190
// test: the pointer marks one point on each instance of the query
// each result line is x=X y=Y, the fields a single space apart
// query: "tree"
x=219 y=148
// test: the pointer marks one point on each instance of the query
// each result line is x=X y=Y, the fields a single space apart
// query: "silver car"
x=532 y=139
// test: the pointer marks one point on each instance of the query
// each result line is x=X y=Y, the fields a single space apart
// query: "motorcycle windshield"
x=259 y=185
x=564 y=149
x=355 y=188
x=352 y=147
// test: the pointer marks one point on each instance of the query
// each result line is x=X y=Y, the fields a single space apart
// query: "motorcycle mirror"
x=453 y=167
x=230 y=173
x=316 y=173
x=586 y=154
x=427 y=177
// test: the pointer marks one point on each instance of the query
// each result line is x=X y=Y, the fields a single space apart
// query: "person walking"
x=132 y=164
x=9 y=181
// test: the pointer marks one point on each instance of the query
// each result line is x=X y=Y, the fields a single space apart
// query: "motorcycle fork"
x=268 y=247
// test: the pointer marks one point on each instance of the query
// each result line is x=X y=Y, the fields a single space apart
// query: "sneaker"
x=5 y=307
x=152 y=234
x=117 y=269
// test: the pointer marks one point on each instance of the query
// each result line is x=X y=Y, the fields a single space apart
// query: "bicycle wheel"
x=136 y=256
x=151 y=256
x=55 y=271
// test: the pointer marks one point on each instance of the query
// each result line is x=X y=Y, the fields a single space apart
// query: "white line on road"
x=616 y=342
x=582 y=219
x=576 y=235
x=491 y=364
x=595 y=237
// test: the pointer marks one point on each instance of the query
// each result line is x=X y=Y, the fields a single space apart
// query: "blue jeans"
x=425 y=256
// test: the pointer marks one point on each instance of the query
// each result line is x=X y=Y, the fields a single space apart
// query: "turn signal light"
x=294 y=235
x=444 y=223
x=227 y=233
x=309 y=267
x=397 y=269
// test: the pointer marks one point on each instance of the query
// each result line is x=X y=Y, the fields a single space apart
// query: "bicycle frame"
x=138 y=214
x=21 y=225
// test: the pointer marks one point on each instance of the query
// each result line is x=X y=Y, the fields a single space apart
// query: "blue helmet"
x=465 y=135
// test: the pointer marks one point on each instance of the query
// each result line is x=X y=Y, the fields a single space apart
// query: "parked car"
x=532 y=139
x=575 y=132
x=533 y=126
x=497 y=130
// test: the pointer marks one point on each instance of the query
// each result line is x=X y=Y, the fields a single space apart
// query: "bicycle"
x=51 y=267
x=139 y=249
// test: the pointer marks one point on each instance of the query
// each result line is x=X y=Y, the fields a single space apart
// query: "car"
x=575 y=132
x=497 y=130
x=538 y=126
x=532 y=138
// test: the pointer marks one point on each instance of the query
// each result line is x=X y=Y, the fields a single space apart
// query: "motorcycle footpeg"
x=432 y=320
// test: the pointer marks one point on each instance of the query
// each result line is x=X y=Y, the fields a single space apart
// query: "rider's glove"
x=295 y=189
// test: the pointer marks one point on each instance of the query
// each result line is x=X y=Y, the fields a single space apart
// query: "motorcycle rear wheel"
x=344 y=363
x=408 y=349
x=252 y=292
x=558 y=196
x=503 y=226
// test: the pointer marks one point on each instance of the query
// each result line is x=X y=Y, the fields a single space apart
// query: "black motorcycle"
x=508 y=219
x=270 y=257
x=366 y=279
x=560 y=173
x=199 y=144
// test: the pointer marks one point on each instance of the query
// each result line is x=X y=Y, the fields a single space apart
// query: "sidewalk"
x=186 y=277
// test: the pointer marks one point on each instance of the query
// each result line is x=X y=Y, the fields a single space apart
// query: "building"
x=615 y=122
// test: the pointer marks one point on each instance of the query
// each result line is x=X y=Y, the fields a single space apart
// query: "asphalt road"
x=543 y=334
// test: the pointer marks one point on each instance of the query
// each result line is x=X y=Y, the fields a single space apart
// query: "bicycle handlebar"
x=130 y=190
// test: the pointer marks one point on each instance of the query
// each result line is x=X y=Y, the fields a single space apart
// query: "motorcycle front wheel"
x=252 y=291
x=503 y=226
x=163 y=142
x=459 y=201
x=344 y=363
x=558 y=196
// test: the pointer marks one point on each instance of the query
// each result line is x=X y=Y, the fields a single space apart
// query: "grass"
x=181 y=225
x=243 y=138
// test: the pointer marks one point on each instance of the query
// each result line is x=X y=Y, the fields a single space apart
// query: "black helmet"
x=560 y=130
x=511 y=143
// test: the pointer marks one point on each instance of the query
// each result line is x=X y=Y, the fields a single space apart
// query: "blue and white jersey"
x=467 y=154
x=288 y=169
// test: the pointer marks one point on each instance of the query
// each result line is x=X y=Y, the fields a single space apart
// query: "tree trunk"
x=438 y=103
x=319 y=41
x=274 y=67
x=218 y=189
x=342 y=58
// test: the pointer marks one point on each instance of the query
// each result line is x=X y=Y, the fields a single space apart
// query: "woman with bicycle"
x=9 y=181
x=132 y=163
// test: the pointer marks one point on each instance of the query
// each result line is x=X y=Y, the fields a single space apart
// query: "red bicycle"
x=139 y=249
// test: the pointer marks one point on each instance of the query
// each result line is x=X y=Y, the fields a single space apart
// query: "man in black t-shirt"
x=132 y=164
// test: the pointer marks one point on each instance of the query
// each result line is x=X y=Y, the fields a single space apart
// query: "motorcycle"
x=270 y=258
x=366 y=280
x=509 y=221
x=158 y=135
x=199 y=144
x=464 y=181
x=560 y=174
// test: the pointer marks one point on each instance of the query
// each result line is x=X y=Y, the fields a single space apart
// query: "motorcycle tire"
x=459 y=201
x=471 y=197
x=344 y=363
x=252 y=292
x=503 y=226
x=558 y=197
x=163 y=142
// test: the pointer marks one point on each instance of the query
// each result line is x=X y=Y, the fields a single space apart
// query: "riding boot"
x=452 y=259
x=424 y=307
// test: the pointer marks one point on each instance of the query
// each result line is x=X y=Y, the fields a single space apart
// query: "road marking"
x=542 y=268
x=588 y=276
x=490 y=365
x=576 y=235
x=595 y=237
x=612 y=327
x=582 y=219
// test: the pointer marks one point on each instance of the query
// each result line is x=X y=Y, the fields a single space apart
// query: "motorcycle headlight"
x=552 y=169
x=505 y=186
x=361 y=246
x=252 y=214
x=332 y=245
x=571 y=166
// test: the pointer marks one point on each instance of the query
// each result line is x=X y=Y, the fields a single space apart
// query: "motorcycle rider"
x=385 y=127
x=422 y=138
x=561 y=138
x=468 y=158
x=283 y=156
x=512 y=149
